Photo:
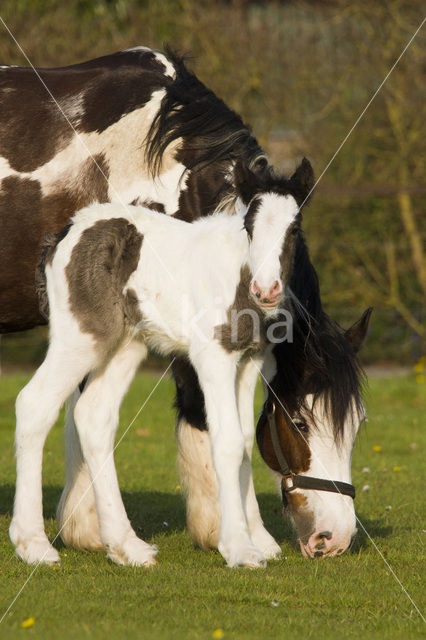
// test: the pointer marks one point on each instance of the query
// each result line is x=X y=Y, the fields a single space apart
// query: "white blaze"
x=273 y=218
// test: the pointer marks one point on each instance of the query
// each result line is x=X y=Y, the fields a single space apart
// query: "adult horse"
x=133 y=127
x=306 y=430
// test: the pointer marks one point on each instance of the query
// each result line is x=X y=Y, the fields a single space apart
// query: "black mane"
x=211 y=131
x=321 y=360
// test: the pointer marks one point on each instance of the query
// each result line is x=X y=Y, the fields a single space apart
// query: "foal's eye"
x=300 y=425
x=294 y=231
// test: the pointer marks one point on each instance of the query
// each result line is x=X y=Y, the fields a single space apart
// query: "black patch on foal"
x=250 y=216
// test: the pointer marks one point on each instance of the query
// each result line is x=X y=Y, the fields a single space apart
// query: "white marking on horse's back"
x=170 y=70
x=139 y=47
x=122 y=145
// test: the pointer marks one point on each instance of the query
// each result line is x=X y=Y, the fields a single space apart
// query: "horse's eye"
x=294 y=231
x=300 y=425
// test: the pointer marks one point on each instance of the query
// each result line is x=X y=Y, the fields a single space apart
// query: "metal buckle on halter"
x=271 y=410
x=288 y=482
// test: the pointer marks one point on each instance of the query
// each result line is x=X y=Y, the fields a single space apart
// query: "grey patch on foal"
x=101 y=263
x=244 y=328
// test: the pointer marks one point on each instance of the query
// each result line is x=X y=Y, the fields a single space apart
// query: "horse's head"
x=272 y=222
x=315 y=420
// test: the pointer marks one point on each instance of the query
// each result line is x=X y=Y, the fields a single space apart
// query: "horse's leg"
x=96 y=416
x=37 y=408
x=246 y=385
x=76 y=514
x=194 y=460
x=199 y=481
x=217 y=375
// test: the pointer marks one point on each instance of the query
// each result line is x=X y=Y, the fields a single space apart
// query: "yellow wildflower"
x=29 y=622
x=377 y=448
x=217 y=634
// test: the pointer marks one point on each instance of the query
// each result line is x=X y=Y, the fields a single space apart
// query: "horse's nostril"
x=318 y=554
x=325 y=534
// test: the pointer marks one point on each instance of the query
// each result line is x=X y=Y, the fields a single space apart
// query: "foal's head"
x=313 y=397
x=272 y=222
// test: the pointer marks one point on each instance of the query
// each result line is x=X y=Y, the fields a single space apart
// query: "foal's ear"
x=302 y=182
x=357 y=332
x=245 y=181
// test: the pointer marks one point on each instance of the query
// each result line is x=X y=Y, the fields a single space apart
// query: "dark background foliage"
x=300 y=73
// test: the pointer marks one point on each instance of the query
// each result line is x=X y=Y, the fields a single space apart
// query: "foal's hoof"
x=37 y=551
x=134 y=552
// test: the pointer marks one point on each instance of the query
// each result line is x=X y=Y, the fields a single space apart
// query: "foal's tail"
x=76 y=513
x=48 y=248
x=198 y=479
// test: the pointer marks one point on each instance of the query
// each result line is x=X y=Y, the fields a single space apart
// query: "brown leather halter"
x=292 y=481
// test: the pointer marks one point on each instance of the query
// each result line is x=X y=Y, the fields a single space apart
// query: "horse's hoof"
x=134 y=552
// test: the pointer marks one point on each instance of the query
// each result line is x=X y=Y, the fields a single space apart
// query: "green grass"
x=190 y=594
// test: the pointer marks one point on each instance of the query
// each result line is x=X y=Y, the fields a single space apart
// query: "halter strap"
x=292 y=480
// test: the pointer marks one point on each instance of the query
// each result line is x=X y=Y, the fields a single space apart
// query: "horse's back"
x=44 y=175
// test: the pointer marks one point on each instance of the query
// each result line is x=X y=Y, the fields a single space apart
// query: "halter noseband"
x=291 y=481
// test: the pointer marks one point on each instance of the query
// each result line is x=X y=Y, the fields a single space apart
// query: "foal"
x=111 y=293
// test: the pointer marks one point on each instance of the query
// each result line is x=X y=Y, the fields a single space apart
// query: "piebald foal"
x=120 y=279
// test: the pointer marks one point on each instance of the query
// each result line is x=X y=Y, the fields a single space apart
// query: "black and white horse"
x=122 y=279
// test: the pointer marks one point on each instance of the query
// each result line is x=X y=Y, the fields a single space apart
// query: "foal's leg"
x=37 y=408
x=217 y=372
x=96 y=415
x=247 y=378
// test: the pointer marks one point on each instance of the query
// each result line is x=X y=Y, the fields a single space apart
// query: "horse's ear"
x=245 y=181
x=357 y=332
x=302 y=181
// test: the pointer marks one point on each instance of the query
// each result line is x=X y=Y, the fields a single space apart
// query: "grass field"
x=191 y=594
